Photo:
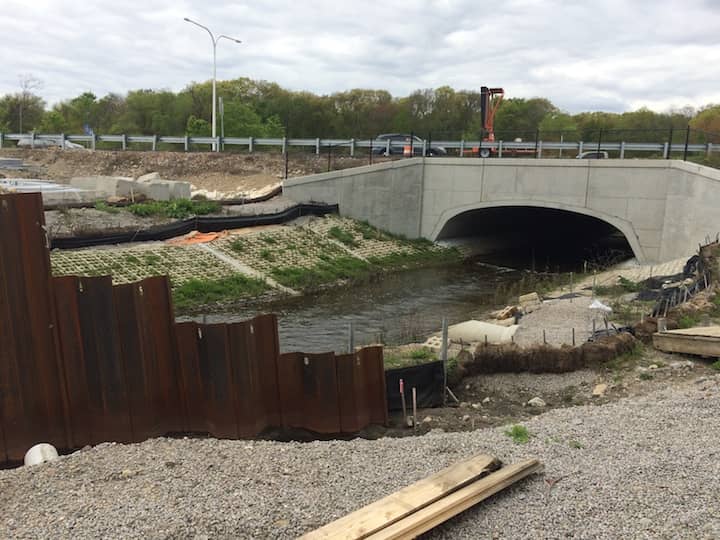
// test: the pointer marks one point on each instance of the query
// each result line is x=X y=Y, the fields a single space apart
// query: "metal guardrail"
x=531 y=148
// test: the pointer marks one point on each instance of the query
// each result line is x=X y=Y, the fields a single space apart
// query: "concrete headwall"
x=664 y=208
x=387 y=195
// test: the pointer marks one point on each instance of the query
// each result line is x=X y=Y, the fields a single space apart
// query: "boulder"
x=536 y=402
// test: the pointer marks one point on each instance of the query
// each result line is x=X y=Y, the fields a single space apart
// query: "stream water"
x=399 y=308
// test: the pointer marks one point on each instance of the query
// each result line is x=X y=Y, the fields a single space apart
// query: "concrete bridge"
x=664 y=208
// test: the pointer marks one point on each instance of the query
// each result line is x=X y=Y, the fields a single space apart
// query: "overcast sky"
x=609 y=55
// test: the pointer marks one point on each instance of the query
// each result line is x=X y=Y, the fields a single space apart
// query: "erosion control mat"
x=203 y=224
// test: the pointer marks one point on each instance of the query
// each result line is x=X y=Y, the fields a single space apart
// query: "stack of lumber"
x=424 y=505
x=701 y=341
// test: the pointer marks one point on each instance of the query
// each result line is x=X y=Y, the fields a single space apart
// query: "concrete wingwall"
x=663 y=207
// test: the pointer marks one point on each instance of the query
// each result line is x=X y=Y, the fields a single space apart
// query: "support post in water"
x=351 y=338
x=443 y=357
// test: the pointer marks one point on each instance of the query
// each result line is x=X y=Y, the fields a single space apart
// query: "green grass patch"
x=645 y=376
x=423 y=354
x=270 y=240
x=237 y=245
x=177 y=209
x=102 y=206
x=716 y=365
x=519 y=434
x=576 y=444
x=626 y=360
x=196 y=292
x=343 y=236
x=688 y=321
x=326 y=271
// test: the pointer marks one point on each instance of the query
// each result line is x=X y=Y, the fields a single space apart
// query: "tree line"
x=265 y=109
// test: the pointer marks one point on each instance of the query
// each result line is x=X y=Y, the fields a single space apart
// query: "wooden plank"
x=701 y=345
x=443 y=509
x=380 y=514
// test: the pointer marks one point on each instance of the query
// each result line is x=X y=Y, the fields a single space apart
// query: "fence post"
x=668 y=148
x=622 y=150
x=539 y=149
x=124 y=141
x=424 y=148
x=317 y=146
x=352 y=147
x=599 y=142
x=370 y=150
x=709 y=146
x=217 y=144
x=154 y=143
x=580 y=147
x=32 y=140
x=387 y=147
x=687 y=140
x=500 y=148
x=93 y=141
x=186 y=143
x=537 y=136
x=443 y=354
x=250 y=144
x=666 y=151
x=2 y=136
x=351 y=338
x=62 y=141
x=284 y=145
x=462 y=148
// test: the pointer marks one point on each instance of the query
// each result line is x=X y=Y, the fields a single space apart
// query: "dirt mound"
x=225 y=172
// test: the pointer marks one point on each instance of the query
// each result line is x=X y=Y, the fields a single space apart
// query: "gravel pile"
x=638 y=468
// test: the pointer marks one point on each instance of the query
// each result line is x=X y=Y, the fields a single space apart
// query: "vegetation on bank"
x=324 y=253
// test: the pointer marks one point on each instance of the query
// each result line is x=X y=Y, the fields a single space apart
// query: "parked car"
x=592 y=155
x=401 y=142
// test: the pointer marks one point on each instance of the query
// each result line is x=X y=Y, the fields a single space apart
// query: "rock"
x=576 y=422
x=529 y=302
x=507 y=313
x=40 y=453
x=149 y=177
x=653 y=366
x=465 y=418
x=599 y=390
x=427 y=419
x=476 y=406
x=410 y=421
x=437 y=430
x=116 y=199
x=464 y=404
x=487 y=400
x=467 y=387
x=645 y=522
x=536 y=402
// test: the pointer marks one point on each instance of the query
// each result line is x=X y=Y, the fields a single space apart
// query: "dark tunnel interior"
x=541 y=239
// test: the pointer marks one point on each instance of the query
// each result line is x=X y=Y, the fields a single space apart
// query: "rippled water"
x=400 y=308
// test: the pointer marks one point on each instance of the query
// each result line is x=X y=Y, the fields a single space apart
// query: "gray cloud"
x=615 y=55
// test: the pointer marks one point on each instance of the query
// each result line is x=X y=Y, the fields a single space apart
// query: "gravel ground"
x=557 y=318
x=636 y=468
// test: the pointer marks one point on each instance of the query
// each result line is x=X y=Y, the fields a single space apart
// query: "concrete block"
x=150 y=177
x=105 y=186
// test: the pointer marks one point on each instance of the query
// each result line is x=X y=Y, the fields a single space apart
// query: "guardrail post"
x=124 y=142
x=352 y=147
x=424 y=148
x=387 y=147
x=539 y=149
x=93 y=141
x=154 y=143
x=709 y=146
x=317 y=146
x=500 y=148
x=687 y=140
x=32 y=140
x=666 y=150
x=250 y=145
x=62 y=141
x=217 y=144
x=622 y=150
x=580 y=147
x=186 y=143
x=462 y=147
x=2 y=136
x=284 y=145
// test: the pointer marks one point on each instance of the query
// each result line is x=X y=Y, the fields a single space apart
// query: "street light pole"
x=214 y=91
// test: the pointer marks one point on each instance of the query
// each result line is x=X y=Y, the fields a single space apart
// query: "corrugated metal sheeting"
x=83 y=361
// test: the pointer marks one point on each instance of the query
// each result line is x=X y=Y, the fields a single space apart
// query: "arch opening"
x=537 y=238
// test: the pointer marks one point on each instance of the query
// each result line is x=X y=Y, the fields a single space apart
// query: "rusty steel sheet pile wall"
x=83 y=361
x=32 y=408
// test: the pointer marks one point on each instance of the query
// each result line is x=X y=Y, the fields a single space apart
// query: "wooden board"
x=447 y=507
x=702 y=341
x=380 y=514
